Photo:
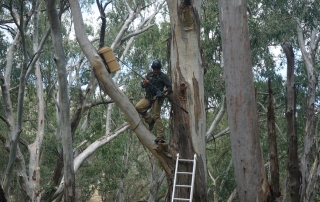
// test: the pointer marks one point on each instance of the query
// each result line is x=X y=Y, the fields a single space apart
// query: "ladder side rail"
x=175 y=178
x=193 y=176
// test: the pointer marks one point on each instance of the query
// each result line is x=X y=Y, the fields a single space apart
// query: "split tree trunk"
x=241 y=103
x=188 y=130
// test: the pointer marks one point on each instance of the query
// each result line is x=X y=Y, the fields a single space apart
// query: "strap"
x=136 y=125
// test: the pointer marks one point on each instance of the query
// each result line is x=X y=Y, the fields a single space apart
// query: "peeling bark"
x=309 y=131
x=188 y=130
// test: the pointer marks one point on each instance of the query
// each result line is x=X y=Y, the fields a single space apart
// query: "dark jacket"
x=159 y=81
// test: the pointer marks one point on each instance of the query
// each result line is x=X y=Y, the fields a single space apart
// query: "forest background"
x=108 y=156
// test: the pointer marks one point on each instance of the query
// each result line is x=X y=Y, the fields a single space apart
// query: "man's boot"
x=151 y=125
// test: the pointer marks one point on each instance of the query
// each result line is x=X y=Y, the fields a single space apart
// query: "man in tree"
x=154 y=84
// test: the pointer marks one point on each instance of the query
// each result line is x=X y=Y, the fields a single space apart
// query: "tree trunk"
x=5 y=90
x=293 y=161
x=274 y=163
x=241 y=103
x=309 y=132
x=34 y=148
x=68 y=171
x=188 y=130
x=15 y=130
x=103 y=21
x=153 y=180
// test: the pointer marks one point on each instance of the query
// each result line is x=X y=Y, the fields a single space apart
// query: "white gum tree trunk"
x=27 y=182
x=5 y=89
x=14 y=130
x=309 y=140
x=188 y=130
x=34 y=148
x=68 y=169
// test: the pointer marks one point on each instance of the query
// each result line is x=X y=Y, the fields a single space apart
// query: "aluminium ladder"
x=186 y=173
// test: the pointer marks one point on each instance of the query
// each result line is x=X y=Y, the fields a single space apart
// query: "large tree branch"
x=232 y=195
x=5 y=21
x=9 y=29
x=124 y=28
x=217 y=119
x=90 y=150
x=145 y=21
x=127 y=6
x=131 y=17
x=136 y=32
x=22 y=141
x=5 y=121
x=36 y=55
x=306 y=58
x=220 y=134
x=314 y=43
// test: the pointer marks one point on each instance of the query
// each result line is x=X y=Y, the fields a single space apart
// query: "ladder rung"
x=181 y=185
x=187 y=160
x=181 y=199
x=189 y=173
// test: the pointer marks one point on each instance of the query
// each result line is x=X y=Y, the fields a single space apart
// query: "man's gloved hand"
x=145 y=82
